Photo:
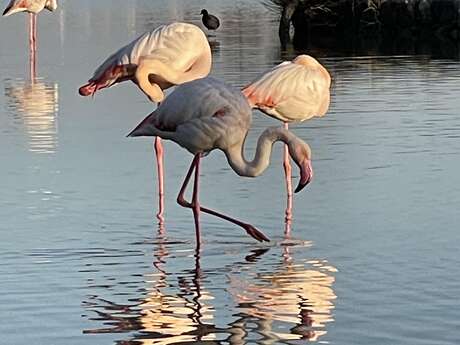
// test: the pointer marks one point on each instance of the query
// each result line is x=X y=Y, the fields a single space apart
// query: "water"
x=374 y=254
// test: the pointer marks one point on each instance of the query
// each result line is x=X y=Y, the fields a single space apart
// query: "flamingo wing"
x=198 y=116
x=291 y=92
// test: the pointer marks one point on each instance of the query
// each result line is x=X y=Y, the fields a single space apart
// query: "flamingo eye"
x=220 y=112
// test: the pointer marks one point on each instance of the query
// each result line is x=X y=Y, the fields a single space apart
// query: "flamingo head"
x=51 y=5
x=301 y=154
x=110 y=76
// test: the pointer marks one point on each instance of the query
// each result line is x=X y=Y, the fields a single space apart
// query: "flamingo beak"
x=87 y=89
x=306 y=175
x=12 y=10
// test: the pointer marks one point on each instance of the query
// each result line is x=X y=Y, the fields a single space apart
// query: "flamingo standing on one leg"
x=169 y=55
x=33 y=7
x=291 y=92
x=205 y=114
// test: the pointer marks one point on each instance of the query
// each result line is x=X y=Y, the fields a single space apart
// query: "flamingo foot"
x=254 y=233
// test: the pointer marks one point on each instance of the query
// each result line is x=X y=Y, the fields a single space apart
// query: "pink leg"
x=287 y=172
x=160 y=160
x=195 y=202
x=252 y=231
x=32 y=45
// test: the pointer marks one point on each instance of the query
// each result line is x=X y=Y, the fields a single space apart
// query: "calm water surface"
x=373 y=257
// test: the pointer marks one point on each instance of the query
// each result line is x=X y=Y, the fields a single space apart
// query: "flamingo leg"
x=251 y=230
x=195 y=202
x=160 y=170
x=287 y=173
x=32 y=44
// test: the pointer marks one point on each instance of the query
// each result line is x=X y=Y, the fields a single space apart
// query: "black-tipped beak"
x=306 y=175
x=6 y=11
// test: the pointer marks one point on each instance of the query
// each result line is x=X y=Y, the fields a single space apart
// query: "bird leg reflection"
x=252 y=231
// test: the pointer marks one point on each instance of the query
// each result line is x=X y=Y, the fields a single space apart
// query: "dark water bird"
x=206 y=114
x=210 y=21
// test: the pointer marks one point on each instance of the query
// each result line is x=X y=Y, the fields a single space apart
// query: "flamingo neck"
x=235 y=154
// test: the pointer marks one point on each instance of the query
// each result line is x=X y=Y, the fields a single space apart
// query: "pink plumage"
x=292 y=91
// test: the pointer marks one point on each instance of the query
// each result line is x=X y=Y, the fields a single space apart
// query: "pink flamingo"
x=169 y=55
x=205 y=114
x=33 y=7
x=291 y=92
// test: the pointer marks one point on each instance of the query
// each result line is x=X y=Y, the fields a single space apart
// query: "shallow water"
x=373 y=257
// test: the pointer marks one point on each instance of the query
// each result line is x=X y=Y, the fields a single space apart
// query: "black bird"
x=211 y=22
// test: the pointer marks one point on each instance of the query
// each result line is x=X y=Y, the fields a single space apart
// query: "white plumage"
x=206 y=114
x=166 y=56
x=292 y=91
x=31 y=6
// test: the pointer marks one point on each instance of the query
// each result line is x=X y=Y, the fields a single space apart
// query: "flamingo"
x=210 y=21
x=32 y=7
x=293 y=91
x=166 y=56
x=206 y=114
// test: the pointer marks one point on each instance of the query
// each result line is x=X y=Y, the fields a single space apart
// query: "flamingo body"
x=31 y=6
x=292 y=91
x=206 y=114
x=198 y=115
x=169 y=55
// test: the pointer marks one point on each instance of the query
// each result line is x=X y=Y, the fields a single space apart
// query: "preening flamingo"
x=206 y=114
x=168 y=55
x=291 y=92
x=33 y=7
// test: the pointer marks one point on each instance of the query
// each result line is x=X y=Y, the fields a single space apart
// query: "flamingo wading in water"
x=33 y=7
x=206 y=114
x=169 y=55
x=291 y=92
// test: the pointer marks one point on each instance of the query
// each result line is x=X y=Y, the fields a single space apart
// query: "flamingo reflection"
x=298 y=295
x=36 y=104
x=161 y=317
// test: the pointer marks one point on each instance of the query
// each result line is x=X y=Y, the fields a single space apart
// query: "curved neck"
x=235 y=154
x=167 y=75
x=143 y=71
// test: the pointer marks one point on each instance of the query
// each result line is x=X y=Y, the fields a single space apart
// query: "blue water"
x=373 y=257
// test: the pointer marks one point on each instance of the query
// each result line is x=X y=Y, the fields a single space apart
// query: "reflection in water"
x=293 y=303
x=297 y=294
x=161 y=317
x=36 y=104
